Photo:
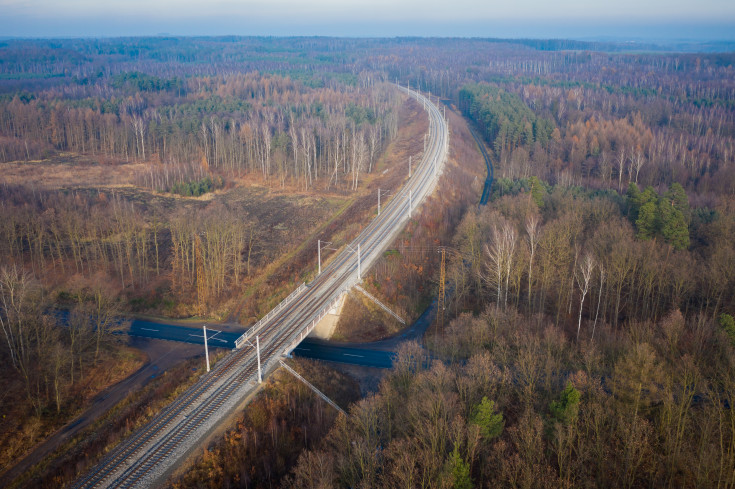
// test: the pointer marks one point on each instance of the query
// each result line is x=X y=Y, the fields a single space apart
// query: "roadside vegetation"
x=405 y=278
x=588 y=333
x=176 y=196
x=285 y=418
x=54 y=366
x=592 y=298
x=80 y=453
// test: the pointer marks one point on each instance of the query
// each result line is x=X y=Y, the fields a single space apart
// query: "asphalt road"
x=378 y=354
x=186 y=334
x=333 y=353
x=150 y=454
x=318 y=350
x=162 y=355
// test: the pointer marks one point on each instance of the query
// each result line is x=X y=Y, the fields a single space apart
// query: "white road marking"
x=148 y=329
x=209 y=338
x=306 y=304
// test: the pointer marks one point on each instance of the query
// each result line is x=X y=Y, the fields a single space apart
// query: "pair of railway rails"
x=150 y=453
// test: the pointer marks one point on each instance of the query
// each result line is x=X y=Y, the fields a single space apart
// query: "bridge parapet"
x=242 y=340
x=298 y=338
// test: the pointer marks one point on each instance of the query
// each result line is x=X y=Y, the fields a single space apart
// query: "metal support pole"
x=206 y=350
x=319 y=252
x=378 y=201
x=359 y=264
x=257 y=347
x=424 y=143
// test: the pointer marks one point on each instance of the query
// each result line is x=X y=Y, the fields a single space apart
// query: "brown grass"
x=69 y=170
x=88 y=447
x=362 y=320
x=267 y=438
x=287 y=220
x=349 y=214
x=21 y=430
x=407 y=282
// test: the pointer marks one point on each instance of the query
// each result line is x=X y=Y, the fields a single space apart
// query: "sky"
x=578 y=19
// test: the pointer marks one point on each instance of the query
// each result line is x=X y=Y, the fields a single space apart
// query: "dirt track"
x=162 y=355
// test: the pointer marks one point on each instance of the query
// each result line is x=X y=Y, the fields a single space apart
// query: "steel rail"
x=146 y=456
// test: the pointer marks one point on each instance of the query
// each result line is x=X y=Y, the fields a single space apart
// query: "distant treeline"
x=267 y=125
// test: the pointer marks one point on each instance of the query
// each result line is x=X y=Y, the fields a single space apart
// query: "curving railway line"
x=151 y=453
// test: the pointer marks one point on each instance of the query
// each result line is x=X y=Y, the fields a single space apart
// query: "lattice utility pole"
x=440 y=301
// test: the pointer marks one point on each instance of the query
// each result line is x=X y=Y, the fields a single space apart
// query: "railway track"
x=151 y=453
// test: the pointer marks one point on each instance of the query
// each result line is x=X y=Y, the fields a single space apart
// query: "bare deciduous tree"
x=501 y=253
x=601 y=267
x=583 y=281
x=620 y=167
x=532 y=235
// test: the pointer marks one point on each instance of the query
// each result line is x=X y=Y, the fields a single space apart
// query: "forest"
x=588 y=337
x=206 y=185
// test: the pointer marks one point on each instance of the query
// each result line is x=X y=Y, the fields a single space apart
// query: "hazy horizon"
x=708 y=20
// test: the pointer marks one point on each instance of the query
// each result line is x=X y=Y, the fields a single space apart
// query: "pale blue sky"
x=491 y=18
